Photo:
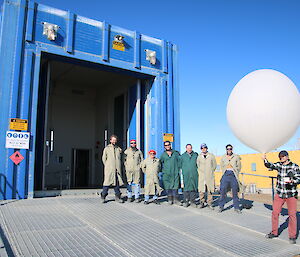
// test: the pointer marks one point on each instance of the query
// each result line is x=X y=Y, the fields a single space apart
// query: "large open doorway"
x=80 y=106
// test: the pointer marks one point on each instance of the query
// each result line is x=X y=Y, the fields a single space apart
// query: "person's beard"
x=285 y=161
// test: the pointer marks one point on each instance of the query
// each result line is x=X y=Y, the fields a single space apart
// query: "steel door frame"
x=36 y=79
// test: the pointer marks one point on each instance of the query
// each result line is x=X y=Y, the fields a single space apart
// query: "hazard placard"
x=168 y=137
x=16 y=157
x=118 y=46
x=17 y=140
x=18 y=124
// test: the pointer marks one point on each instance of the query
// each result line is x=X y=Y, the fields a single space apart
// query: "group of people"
x=198 y=177
x=197 y=171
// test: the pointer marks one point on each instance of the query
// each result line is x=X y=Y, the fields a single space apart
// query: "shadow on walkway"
x=284 y=212
x=5 y=244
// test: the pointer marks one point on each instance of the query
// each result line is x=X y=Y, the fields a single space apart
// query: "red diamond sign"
x=16 y=157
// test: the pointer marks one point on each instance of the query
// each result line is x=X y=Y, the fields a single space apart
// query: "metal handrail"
x=271 y=177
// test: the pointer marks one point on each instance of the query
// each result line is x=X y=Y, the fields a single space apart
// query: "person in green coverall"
x=190 y=176
x=170 y=161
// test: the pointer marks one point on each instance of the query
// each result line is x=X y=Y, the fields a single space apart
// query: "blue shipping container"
x=76 y=81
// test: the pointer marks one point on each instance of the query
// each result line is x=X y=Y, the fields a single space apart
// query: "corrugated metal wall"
x=22 y=45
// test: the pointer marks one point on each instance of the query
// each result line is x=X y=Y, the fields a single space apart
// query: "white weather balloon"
x=263 y=110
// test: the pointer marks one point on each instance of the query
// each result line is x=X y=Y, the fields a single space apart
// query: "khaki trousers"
x=209 y=197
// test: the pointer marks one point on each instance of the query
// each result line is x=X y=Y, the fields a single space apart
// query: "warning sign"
x=118 y=46
x=16 y=157
x=18 y=124
x=168 y=137
x=17 y=140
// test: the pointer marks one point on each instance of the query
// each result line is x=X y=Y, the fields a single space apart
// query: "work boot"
x=220 y=209
x=292 y=240
x=210 y=207
x=130 y=200
x=186 y=203
x=194 y=205
x=271 y=236
x=201 y=205
x=156 y=202
x=119 y=199
x=137 y=200
x=103 y=198
x=170 y=199
x=238 y=211
x=177 y=201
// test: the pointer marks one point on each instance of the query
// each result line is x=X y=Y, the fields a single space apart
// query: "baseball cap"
x=283 y=153
x=203 y=146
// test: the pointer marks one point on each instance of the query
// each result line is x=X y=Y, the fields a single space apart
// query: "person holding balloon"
x=231 y=166
x=286 y=191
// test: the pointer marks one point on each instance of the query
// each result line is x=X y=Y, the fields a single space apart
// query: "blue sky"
x=219 y=41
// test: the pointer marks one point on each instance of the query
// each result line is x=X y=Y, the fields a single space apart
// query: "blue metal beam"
x=155 y=117
x=176 y=93
x=164 y=93
x=30 y=21
x=22 y=171
x=165 y=56
x=70 y=32
x=14 y=82
x=170 y=96
x=95 y=59
x=137 y=50
x=7 y=53
x=33 y=120
x=132 y=97
x=105 y=41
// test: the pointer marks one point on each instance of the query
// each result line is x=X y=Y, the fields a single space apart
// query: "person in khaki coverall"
x=207 y=165
x=111 y=159
x=132 y=160
x=151 y=167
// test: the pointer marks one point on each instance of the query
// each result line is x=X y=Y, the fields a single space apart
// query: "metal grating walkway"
x=82 y=226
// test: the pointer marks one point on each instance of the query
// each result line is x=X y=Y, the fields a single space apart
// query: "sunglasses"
x=229 y=149
x=152 y=153
x=133 y=143
x=281 y=156
x=167 y=145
